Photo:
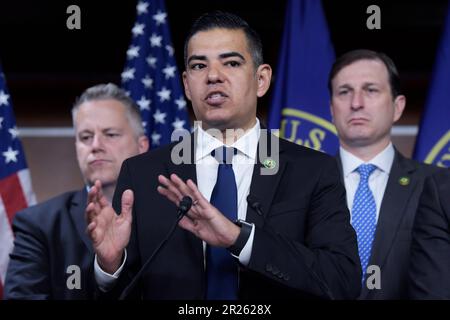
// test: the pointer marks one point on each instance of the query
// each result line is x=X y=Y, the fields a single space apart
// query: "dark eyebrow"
x=195 y=57
x=221 y=56
x=344 y=86
x=231 y=55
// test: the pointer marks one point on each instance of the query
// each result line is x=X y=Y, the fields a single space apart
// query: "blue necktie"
x=364 y=215
x=221 y=267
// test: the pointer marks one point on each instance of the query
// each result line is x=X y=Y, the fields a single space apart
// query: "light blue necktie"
x=221 y=267
x=364 y=215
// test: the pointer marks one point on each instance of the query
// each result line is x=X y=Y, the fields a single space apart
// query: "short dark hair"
x=364 y=54
x=226 y=20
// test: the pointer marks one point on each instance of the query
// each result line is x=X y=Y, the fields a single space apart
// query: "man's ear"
x=186 y=86
x=263 y=76
x=331 y=111
x=399 y=106
x=143 y=144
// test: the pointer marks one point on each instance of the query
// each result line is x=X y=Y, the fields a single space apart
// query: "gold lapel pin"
x=404 y=181
x=269 y=163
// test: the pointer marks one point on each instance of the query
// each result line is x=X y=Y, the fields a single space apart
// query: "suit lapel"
x=392 y=209
x=264 y=186
x=77 y=208
x=188 y=171
x=341 y=169
x=185 y=170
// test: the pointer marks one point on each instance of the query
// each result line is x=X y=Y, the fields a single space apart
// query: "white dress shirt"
x=207 y=167
x=377 y=180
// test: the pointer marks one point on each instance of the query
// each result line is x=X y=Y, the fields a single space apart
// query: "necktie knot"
x=365 y=170
x=224 y=155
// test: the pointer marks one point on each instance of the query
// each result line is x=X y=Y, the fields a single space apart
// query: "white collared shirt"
x=377 y=180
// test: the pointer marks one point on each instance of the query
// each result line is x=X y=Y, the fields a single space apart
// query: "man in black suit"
x=430 y=249
x=294 y=238
x=52 y=254
x=383 y=187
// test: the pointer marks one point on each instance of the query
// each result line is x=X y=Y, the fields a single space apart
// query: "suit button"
x=268 y=267
x=286 y=277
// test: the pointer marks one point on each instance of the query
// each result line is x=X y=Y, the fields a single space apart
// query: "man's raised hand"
x=108 y=231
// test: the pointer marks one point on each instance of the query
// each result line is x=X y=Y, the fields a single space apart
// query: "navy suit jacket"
x=392 y=242
x=50 y=237
x=304 y=245
x=430 y=253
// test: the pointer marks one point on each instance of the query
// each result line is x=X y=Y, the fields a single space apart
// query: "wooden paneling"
x=53 y=166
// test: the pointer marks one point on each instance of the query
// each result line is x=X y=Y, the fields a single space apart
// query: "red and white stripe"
x=16 y=193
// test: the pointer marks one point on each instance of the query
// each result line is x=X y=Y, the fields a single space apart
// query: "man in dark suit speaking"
x=52 y=253
x=383 y=187
x=281 y=233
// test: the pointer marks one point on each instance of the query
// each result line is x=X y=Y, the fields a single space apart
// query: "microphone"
x=183 y=208
x=185 y=205
x=255 y=205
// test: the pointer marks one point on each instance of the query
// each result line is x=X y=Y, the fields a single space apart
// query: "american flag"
x=151 y=77
x=15 y=183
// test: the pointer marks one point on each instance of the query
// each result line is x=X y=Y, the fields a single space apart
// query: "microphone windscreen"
x=185 y=204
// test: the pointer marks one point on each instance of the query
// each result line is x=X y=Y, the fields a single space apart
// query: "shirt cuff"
x=106 y=281
x=246 y=253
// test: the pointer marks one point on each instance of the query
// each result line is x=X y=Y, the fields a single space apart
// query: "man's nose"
x=357 y=100
x=215 y=74
x=97 y=142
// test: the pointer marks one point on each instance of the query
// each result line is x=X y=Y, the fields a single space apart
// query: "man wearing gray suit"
x=383 y=187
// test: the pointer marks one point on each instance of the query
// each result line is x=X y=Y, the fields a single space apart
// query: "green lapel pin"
x=404 y=181
x=269 y=163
